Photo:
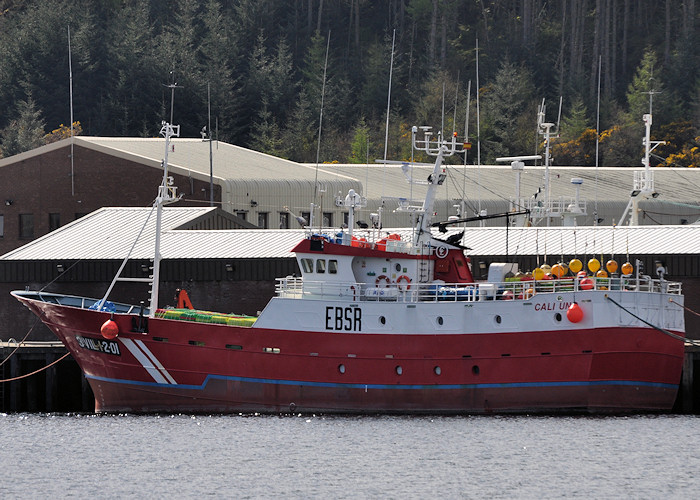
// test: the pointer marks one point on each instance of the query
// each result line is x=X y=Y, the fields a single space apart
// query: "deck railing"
x=298 y=288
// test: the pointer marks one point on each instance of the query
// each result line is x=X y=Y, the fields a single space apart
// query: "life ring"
x=383 y=278
x=441 y=251
x=401 y=287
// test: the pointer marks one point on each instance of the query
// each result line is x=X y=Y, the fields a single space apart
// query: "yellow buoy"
x=611 y=266
x=601 y=274
x=538 y=273
x=627 y=268
x=575 y=265
x=593 y=265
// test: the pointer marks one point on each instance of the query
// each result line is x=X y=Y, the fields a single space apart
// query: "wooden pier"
x=63 y=388
x=59 y=388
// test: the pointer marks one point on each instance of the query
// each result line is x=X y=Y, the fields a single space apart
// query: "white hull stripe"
x=155 y=361
x=157 y=371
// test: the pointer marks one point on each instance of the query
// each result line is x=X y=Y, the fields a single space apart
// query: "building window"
x=262 y=219
x=78 y=215
x=284 y=220
x=26 y=226
x=346 y=217
x=327 y=219
x=242 y=214
x=2 y=226
x=54 y=221
x=307 y=216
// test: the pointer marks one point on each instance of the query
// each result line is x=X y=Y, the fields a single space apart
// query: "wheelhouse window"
x=26 y=226
x=307 y=265
x=321 y=266
x=332 y=266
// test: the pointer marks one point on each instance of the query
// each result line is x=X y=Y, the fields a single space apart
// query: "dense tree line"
x=263 y=61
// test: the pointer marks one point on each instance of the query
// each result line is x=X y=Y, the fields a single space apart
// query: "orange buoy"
x=586 y=284
x=627 y=268
x=602 y=274
x=574 y=313
x=558 y=270
x=611 y=266
x=109 y=329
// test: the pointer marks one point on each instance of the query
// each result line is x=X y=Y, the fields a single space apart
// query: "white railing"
x=298 y=288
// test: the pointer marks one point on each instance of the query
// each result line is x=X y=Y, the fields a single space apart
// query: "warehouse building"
x=51 y=187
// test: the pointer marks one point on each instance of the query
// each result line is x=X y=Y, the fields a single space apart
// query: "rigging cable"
x=662 y=330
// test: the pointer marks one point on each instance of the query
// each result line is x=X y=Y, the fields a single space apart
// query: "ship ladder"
x=423 y=270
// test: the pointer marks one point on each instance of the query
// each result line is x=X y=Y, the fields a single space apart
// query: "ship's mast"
x=167 y=193
x=643 y=187
x=439 y=148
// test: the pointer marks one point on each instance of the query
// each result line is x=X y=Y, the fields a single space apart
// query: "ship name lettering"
x=343 y=318
x=98 y=345
x=552 y=306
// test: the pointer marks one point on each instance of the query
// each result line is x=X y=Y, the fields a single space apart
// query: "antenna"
x=70 y=74
x=320 y=124
x=211 y=159
x=388 y=107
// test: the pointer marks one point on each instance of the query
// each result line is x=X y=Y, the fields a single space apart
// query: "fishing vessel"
x=384 y=323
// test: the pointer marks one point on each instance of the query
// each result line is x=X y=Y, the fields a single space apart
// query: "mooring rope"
x=35 y=371
x=666 y=332
x=684 y=307
x=36 y=321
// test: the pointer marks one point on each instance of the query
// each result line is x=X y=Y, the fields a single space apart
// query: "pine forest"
x=261 y=66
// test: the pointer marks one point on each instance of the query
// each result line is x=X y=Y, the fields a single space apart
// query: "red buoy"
x=586 y=284
x=109 y=329
x=574 y=313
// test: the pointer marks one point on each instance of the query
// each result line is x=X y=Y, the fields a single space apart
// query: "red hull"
x=194 y=367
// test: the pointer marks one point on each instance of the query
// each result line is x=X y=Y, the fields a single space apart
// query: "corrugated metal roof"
x=246 y=176
x=109 y=233
x=636 y=240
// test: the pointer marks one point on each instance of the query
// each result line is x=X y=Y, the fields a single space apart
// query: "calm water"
x=181 y=456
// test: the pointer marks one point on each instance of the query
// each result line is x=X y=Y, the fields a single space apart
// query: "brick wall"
x=42 y=185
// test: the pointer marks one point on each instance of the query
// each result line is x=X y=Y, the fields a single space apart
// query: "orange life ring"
x=383 y=278
x=405 y=278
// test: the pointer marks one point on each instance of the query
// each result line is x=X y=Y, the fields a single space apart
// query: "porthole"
x=399 y=370
x=341 y=368
x=440 y=321
x=437 y=370
x=557 y=316
x=498 y=319
x=475 y=369
x=398 y=267
x=382 y=320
